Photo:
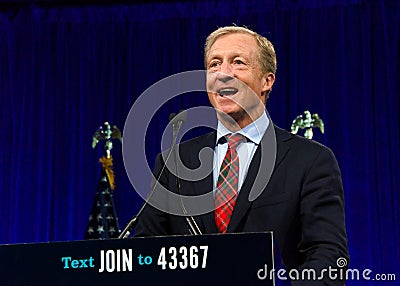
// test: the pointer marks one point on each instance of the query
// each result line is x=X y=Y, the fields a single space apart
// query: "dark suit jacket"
x=302 y=203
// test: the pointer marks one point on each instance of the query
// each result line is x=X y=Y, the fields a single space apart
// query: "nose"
x=224 y=77
x=225 y=73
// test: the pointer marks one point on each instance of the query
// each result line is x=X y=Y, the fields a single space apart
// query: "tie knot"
x=234 y=140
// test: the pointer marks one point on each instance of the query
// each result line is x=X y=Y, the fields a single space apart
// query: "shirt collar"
x=253 y=132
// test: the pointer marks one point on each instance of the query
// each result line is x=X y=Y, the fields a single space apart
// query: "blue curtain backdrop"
x=64 y=70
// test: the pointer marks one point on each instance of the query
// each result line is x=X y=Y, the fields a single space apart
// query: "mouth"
x=227 y=91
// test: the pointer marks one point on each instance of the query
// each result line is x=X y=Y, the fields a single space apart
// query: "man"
x=300 y=200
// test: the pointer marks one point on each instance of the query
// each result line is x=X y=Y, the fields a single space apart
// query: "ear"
x=268 y=82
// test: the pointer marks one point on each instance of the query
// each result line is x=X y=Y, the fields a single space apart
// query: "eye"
x=238 y=62
x=213 y=64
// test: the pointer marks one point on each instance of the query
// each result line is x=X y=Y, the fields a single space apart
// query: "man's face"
x=235 y=83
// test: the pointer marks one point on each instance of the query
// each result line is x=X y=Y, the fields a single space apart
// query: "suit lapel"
x=260 y=172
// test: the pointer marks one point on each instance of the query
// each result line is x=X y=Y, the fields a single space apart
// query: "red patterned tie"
x=227 y=185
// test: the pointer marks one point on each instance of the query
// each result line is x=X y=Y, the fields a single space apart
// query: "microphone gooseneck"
x=176 y=120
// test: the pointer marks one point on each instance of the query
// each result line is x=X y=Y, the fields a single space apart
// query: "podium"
x=215 y=259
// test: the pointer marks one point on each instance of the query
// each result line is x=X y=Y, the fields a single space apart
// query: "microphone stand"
x=194 y=229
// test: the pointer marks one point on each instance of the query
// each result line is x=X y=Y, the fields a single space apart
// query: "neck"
x=236 y=122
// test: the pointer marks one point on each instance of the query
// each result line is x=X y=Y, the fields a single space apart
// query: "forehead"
x=239 y=43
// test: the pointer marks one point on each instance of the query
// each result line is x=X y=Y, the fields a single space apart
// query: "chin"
x=231 y=114
x=229 y=110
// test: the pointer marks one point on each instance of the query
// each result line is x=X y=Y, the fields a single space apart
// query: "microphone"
x=176 y=120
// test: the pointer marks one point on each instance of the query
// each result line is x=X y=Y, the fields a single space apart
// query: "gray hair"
x=267 y=56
